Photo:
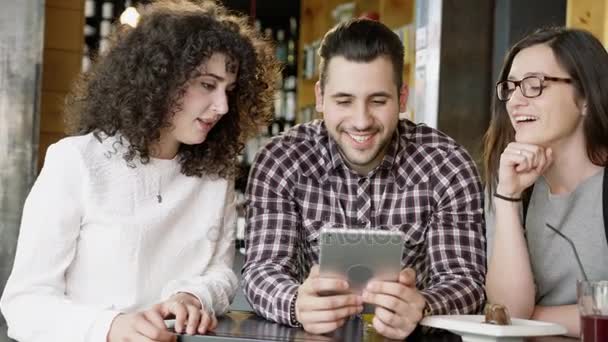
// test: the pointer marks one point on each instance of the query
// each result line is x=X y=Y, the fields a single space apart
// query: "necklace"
x=159 y=197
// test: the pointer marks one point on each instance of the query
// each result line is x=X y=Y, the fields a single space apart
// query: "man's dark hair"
x=362 y=40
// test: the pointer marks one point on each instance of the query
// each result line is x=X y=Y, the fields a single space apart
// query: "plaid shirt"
x=426 y=186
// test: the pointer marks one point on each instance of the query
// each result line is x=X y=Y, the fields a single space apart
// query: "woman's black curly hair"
x=137 y=87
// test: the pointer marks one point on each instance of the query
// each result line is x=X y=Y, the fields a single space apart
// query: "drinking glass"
x=368 y=319
x=369 y=332
x=593 y=309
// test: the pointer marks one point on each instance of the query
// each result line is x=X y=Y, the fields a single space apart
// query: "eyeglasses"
x=531 y=86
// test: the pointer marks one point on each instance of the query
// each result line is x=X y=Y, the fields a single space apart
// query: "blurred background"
x=453 y=52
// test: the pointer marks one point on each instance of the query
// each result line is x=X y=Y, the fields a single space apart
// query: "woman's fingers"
x=208 y=322
x=213 y=322
x=187 y=317
x=515 y=160
x=528 y=156
x=151 y=329
x=534 y=151
x=520 y=165
x=181 y=315
x=155 y=318
x=194 y=318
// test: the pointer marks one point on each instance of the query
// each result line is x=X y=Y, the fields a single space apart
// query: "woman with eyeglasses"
x=545 y=157
x=131 y=220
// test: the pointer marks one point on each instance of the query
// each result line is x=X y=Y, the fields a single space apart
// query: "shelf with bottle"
x=310 y=62
x=311 y=58
x=319 y=16
x=285 y=96
x=284 y=34
x=100 y=17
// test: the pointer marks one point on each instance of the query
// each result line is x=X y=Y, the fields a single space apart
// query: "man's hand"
x=399 y=305
x=322 y=314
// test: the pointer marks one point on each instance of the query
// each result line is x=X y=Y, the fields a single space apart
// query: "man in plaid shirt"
x=363 y=168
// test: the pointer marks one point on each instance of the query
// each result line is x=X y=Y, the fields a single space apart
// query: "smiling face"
x=360 y=105
x=551 y=118
x=204 y=102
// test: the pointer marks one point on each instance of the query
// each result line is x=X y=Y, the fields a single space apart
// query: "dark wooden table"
x=243 y=326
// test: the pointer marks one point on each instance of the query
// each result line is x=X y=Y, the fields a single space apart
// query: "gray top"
x=579 y=216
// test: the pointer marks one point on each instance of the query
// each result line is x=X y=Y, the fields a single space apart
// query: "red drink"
x=594 y=328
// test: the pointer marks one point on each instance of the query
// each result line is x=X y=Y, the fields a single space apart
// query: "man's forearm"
x=269 y=291
x=455 y=297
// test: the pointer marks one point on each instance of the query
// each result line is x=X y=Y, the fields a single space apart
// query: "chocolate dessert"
x=497 y=314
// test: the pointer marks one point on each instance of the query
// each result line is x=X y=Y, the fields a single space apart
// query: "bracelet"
x=292 y=312
x=510 y=199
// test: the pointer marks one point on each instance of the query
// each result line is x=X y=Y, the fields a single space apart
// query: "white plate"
x=471 y=328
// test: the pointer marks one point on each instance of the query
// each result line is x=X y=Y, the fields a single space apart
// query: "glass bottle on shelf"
x=291 y=46
x=107 y=10
x=89 y=8
x=290 y=107
x=289 y=115
x=257 y=24
x=281 y=49
x=86 y=60
x=279 y=104
x=268 y=32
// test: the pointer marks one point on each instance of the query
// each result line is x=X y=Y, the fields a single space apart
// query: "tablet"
x=358 y=255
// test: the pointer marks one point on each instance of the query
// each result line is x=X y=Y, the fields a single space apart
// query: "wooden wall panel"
x=316 y=19
x=396 y=13
x=51 y=111
x=62 y=60
x=60 y=68
x=63 y=29
x=590 y=15
x=68 y=4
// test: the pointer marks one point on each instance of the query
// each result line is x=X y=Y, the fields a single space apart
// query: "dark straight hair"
x=361 y=40
x=585 y=59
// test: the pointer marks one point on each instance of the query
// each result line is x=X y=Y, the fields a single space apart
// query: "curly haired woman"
x=131 y=220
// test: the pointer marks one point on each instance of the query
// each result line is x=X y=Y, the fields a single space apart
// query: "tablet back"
x=358 y=255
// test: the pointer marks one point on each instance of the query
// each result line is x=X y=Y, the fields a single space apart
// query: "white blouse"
x=99 y=237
